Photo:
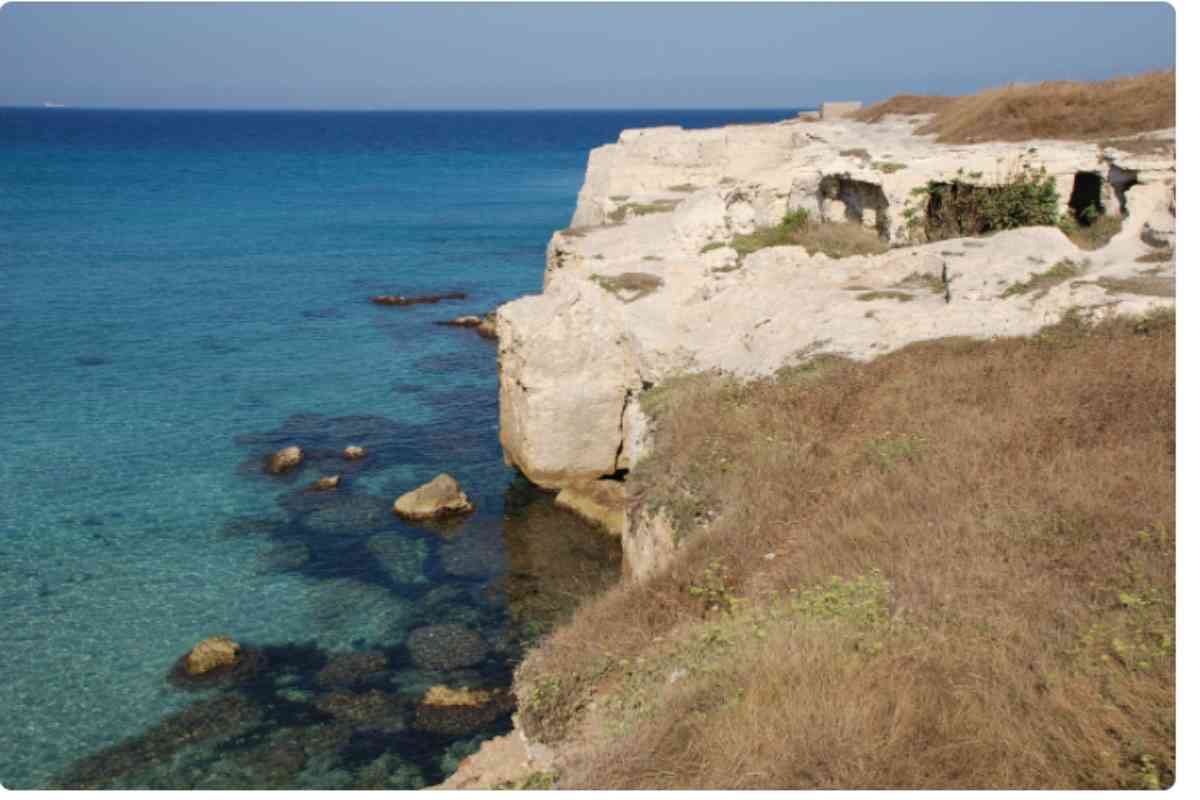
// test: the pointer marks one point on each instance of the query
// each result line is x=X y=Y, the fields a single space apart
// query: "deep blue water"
x=183 y=292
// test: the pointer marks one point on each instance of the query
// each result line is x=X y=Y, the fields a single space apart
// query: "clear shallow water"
x=184 y=292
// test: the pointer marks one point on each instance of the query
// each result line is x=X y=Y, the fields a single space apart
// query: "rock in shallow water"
x=412 y=300
x=441 y=496
x=353 y=452
x=284 y=460
x=446 y=647
x=325 y=483
x=212 y=653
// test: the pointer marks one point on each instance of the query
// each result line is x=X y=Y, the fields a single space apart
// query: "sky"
x=570 y=55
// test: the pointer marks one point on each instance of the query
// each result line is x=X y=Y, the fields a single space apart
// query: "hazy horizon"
x=553 y=56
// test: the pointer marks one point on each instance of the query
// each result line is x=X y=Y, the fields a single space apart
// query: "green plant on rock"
x=962 y=208
x=1043 y=282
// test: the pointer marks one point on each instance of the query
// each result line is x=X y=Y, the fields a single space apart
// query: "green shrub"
x=958 y=208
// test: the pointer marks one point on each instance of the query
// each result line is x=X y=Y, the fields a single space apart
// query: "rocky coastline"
x=657 y=275
x=654 y=280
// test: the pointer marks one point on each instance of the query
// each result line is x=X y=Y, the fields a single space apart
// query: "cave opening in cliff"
x=1087 y=197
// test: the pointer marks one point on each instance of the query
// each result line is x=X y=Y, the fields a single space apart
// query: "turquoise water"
x=184 y=292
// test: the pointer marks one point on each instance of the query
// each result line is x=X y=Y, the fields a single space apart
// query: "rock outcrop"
x=440 y=497
x=645 y=284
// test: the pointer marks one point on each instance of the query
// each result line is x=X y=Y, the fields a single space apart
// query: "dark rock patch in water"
x=446 y=647
x=338 y=514
x=352 y=669
x=415 y=300
x=284 y=558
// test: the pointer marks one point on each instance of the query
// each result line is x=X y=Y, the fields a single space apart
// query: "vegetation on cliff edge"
x=952 y=566
x=1047 y=110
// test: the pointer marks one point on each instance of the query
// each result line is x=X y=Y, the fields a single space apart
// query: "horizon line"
x=318 y=110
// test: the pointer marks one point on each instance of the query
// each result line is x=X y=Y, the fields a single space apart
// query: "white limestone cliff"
x=641 y=287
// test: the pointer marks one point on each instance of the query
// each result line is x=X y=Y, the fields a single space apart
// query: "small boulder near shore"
x=325 y=483
x=212 y=653
x=440 y=497
x=413 y=300
x=284 y=460
x=216 y=660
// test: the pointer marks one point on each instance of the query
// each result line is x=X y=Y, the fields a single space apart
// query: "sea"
x=183 y=293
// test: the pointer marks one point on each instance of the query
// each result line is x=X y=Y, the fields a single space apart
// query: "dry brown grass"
x=1073 y=110
x=840 y=239
x=904 y=104
x=1002 y=516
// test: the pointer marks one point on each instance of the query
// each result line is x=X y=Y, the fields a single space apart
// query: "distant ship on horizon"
x=48 y=104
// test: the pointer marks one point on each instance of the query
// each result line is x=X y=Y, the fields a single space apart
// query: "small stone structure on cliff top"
x=645 y=285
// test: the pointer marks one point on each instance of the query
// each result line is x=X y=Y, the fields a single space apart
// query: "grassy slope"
x=1047 y=110
x=950 y=567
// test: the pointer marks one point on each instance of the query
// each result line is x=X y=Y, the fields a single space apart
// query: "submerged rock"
x=352 y=668
x=441 y=496
x=446 y=647
x=283 y=557
x=412 y=300
x=457 y=712
x=403 y=557
x=346 y=514
x=382 y=710
x=285 y=459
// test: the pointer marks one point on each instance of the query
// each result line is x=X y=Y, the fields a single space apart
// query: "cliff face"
x=645 y=284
